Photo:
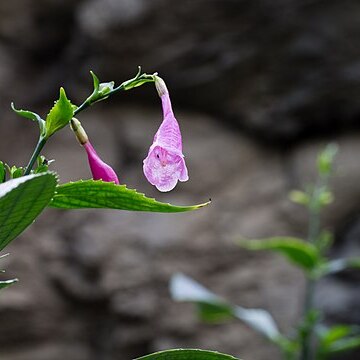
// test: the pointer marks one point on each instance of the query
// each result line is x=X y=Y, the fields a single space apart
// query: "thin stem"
x=36 y=153
x=87 y=103
x=313 y=233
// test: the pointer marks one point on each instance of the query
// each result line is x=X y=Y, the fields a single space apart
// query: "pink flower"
x=165 y=163
x=99 y=169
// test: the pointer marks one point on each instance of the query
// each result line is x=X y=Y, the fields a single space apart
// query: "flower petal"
x=99 y=169
x=163 y=168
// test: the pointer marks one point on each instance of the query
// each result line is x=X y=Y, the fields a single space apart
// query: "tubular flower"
x=165 y=163
x=99 y=169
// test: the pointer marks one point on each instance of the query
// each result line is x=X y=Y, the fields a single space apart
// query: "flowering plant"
x=26 y=191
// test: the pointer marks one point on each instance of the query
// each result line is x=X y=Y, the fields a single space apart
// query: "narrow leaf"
x=99 y=194
x=5 y=283
x=32 y=116
x=299 y=252
x=60 y=115
x=213 y=307
x=339 y=265
x=96 y=81
x=187 y=354
x=334 y=333
x=21 y=201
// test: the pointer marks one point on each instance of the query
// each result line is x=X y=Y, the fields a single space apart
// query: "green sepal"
x=106 y=195
x=299 y=252
x=60 y=114
x=32 y=116
x=187 y=354
x=21 y=201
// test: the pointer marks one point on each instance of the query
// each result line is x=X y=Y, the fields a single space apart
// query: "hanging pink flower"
x=165 y=163
x=99 y=169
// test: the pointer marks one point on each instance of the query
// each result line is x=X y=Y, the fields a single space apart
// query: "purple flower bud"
x=165 y=163
x=99 y=170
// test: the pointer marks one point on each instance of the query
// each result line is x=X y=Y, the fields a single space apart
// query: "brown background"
x=258 y=88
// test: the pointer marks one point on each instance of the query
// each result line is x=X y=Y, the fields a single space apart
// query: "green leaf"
x=213 y=308
x=101 y=90
x=17 y=172
x=99 y=194
x=299 y=197
x=337 y=339
x=187 y=354
x=299 y=252
x=32 y=116
x=5 y=283
x=345 y=344
x=335 y=266
x=136 y=81
x=60 y=115
x=21 y=201
x=2 y=172
x=334 y=333
x=326 y=159
x=96 y=81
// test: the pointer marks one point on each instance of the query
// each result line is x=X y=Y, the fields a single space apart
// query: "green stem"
x=87 y=103
x=313 y=233
x=306 y=344
x=36 y=153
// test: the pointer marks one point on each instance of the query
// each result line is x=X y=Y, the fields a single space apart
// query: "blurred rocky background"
x=258 y=87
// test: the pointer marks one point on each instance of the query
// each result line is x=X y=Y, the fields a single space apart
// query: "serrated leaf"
x=187 y=354
x=21 y=201
x=32 y=116
x=214 y=308
x=299 y=252
x=60 y=115
x=99 y=194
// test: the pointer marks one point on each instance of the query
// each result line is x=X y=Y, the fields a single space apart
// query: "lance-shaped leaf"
x=187 y=354
x=213 y=308
x=302 y=254
x=335 y=266
x=32 y=116
x=60 y=114
x=21 y=201
x=99 y=194
x=5 y=283
x=337 y=339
